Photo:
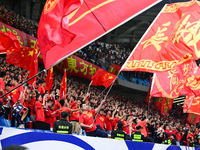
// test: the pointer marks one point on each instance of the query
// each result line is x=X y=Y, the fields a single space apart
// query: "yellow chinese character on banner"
x=84 y=69
x=189 y=32
x=93 y=70
x=158 y=38
x=72 y=64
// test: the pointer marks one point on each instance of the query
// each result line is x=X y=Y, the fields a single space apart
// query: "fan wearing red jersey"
x=86 y=121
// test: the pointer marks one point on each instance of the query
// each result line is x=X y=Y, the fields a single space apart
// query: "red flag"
x=159 y=102
x=114 y=69
x=195 y=106
x=9 y=42
x=102 y=77
x=188 y=101
x=148 y=96
x=34 y=65
x=63 y=86
x=49 y=80
x=22 y=58
x=193 y=118
x=172 y=84
x=166 y=105
x=52 y=29
x=93 y=19
x=171 y=39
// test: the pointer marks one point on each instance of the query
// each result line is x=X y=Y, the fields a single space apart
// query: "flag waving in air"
x=63 y=85
x=22 y=58
x=34 y=65
x=102 y=77
x=9 y=42
x=49 y=80
x=166 y=105
x=172 y=39
x=92 y=19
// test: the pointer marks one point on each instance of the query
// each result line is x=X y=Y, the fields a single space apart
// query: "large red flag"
x=172 y=39
x=166 y=105
x=33 y=65
x=63 y=86
x=52 y=29
x=193 y=118
x=49 y=80
x=172 y=84
x=107 y=79
x=93 y=19
x=96 y=76
x=9 y=42
x=22 y=58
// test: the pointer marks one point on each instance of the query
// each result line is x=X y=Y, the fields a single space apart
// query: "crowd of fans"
x=117 y=112
x=126 y=115
x=98 y=53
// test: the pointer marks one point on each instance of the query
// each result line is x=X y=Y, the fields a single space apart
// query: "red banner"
x=166 y=105
x=77 y=67
x=93 y=19
x=25 y=40
x=193 y=118
x=172 y=39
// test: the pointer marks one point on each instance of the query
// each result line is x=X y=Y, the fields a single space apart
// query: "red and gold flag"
x=172 y=39
x=22 y=58
x=102 y=77
x=52 y=29
x=93 y=19
x=34 y=65
x=166 y=105
x=193 y=118
x=9 y=42
x=172 y=83
x=63 y=86
x=49 y=80
x=159 y=102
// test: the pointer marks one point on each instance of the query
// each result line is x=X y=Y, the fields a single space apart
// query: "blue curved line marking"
x=139 y=145
x=30 y=137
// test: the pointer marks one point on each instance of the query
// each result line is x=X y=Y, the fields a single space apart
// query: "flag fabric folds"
x=193 y=118
x=9 y=42
x=188 y=101
x=171 y=40
x=102 y=77
x=34 y=65
x=22 y=58
x=176 y=82
x=166 y=105
x=52 y=29
x=63 y=86
x=159 y=102
x=49 y=80
x=90 y=21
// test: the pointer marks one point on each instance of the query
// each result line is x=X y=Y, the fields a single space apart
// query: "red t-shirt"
x=100 y=120
x=114 y=122
x=2 y=86
x=126 y=129
x=87 y=119
x=16 y=93
x=143 y=125
x=39 y=112
x=108 y=123
x=75 y=115
x=63 y=109
x=48 y=118
x=41 y=90
x=57 y=106
x=30 y=105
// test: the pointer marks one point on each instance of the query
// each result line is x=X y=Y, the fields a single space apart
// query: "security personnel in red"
x=138 y=136
x=63 y=126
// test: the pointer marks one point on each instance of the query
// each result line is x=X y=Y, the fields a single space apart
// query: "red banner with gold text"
x=172 y=39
